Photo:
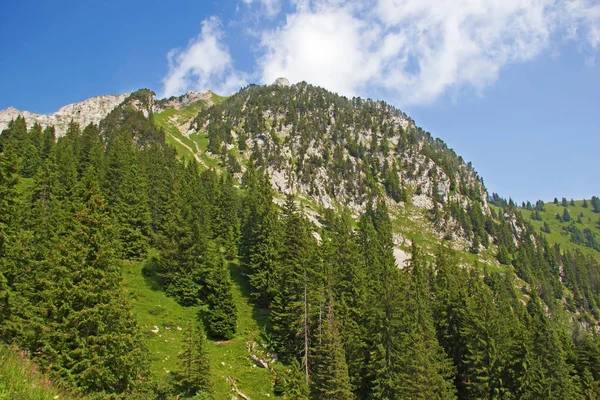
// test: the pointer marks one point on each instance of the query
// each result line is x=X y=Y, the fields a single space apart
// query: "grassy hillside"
x=582 y=218
x=228 y=359
x=188 y=147
x=20 y=379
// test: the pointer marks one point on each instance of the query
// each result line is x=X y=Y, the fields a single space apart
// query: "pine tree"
x=91 y=338
x=8 y=194
x=178 y=264
x=331 y=379
x=227 y=220
x=222 y=314
x=4 y=305
x=448 y=309
x=289 y=311
x=566 y=217
x=549 y=374
x=30 y=156
x=260 y=238
x=193 y=373
x=596 y=204
x=484 y=335
x=426 y=372
x=48 y=142
x=387 y=304
x=127 y=195
x=344 y=262
x=160 y=165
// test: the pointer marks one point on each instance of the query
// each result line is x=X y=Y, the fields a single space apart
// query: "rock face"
x=184 y=100
x=92 y=110
x=281 y=82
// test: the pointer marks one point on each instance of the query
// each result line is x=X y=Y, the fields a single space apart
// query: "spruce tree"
x=483 y=335
x=426 y=371
x=127 y=195
x=8 y=193
x=566 y=217
x=48 y=141
x=193 y=373
x=549 y=375
x=178 y=263
x=91 y=338
x=222 y=314
x=342 y=257
x=260 y=238
x=293 y=303
x=331 y=376
x=387 y=304
x=227 y=217
x=596 y=204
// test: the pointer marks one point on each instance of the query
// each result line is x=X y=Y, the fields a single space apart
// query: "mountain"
x=287 y=242
x=90 y=111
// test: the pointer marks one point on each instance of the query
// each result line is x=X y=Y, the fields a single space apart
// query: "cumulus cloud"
x=204 y=63
x=417 y=50
x=414 y=51
x=325 y=48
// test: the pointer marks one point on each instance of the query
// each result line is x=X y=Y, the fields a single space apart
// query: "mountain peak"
x=281 y=81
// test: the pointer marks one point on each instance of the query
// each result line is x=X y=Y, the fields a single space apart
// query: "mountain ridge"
x=94 y=109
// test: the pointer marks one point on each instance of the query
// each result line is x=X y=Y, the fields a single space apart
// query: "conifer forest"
x=349 y=253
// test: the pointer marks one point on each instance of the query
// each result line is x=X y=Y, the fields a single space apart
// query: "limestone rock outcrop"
x=92 y=110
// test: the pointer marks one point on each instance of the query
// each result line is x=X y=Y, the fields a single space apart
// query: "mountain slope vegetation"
x=311 y=246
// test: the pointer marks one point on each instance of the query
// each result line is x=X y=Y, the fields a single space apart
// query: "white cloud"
x=414 y=51
x=270 y=7
x=417 y=50
x=325 y=48
x=204 y=63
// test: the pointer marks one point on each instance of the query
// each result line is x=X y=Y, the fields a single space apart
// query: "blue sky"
x=512 y=86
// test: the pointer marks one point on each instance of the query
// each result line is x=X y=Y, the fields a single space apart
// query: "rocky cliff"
x=92 y=110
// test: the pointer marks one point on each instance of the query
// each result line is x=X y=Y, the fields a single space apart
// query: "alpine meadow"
x=282 y=242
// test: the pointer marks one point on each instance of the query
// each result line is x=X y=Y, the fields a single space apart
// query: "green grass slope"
x=189 y=147
x=228 y=359
x=21 y=379
x=581 y=218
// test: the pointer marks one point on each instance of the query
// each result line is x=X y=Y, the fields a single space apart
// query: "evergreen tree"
x=179 y=264
x=291 y=306
x=48 y=141
x=331 y=377
x=426 y=370
x=222 y=314
x=193 y=373
x=388 y=305
x=549 y=375
x=546 y=227
x=566 y=217
x=260 y=237
x=8 y=194
x=91 y=339
x=484 y=336
x=343 y=261
x=596 y=204
x=227 y=223
x=127 y=195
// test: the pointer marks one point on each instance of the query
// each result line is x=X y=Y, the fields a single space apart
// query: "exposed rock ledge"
x=188 y=98
x=89 y=111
